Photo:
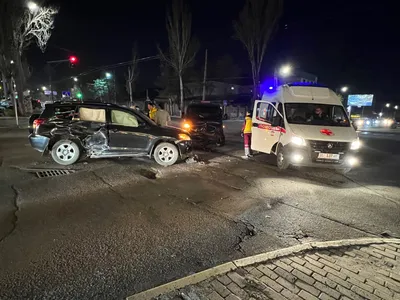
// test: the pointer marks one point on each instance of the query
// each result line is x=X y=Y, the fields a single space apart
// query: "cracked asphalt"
x=117 y=227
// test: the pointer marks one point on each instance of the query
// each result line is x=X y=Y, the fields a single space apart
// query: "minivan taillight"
x=38 y=122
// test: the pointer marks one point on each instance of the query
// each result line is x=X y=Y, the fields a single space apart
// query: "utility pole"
x=115 y=87
x=205 y=75
x=50 y=83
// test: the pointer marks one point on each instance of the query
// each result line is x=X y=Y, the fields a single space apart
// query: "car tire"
x=65 y=152
x=281 y=160
x=166 y=154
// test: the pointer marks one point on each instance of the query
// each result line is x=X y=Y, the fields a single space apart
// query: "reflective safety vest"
x=152 y=113
x=248 y=123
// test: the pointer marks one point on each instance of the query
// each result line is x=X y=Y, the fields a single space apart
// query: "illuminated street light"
x=396 y=107
x=344 y=89
x=44 y=88
x=108 y=75
x=32 y=6
x=381 y=114
x=12 y=62
x=232 y=87
x=285 y=70
x=75 y=79
x=388 y=105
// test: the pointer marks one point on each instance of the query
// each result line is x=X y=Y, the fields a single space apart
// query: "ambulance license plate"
x=328 y=156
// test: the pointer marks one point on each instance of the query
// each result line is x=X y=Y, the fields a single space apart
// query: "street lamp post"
x=284 y=71
x=388 y=108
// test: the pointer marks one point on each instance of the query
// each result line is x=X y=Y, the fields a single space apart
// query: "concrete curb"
x=233 y=265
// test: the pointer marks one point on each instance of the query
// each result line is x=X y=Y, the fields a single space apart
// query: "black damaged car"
x=99 y=130
x=204 y=122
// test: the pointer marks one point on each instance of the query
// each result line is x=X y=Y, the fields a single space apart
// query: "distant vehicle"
x=304 y=126
x=204 y=122
x=365 y=123
x=6 y=103
x=97 y=130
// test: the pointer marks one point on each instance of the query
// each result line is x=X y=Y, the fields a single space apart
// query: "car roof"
x=93 y=104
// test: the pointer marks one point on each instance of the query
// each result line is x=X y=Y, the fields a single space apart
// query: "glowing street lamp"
x=344 y=89
x=285 y=70
x=75 y=79
x=396 y=107
x=108 y=75
x=32 y=6
x=44 y=88
x=387 y=105
x=381 y=114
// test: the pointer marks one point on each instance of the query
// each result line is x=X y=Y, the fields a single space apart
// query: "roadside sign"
x=66 y=93
x=46 y=92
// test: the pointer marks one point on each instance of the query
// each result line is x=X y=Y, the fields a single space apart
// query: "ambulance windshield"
x=316 y=114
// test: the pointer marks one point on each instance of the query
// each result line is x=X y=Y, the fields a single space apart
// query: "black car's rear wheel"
x=65 y=152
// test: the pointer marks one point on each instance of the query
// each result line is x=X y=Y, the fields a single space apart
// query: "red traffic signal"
x=73 y=59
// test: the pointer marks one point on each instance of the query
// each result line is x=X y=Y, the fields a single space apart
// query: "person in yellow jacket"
x=246 y=134
x=152 y=110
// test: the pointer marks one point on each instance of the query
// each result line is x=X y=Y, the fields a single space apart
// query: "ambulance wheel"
x=281 y=160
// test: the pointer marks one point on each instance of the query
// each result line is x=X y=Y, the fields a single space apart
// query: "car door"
x=127 y=132
x=267 y=126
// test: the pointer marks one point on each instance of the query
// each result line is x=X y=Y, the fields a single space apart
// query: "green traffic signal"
x=79 y=95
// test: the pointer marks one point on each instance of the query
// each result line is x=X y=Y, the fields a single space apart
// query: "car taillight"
x=38 y=122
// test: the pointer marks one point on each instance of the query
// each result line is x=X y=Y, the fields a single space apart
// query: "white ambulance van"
x=305 y=126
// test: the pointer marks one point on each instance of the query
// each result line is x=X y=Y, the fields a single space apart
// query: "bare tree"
x=25 y=25
x=254 y=28
x=182 y=47
x=133 y=73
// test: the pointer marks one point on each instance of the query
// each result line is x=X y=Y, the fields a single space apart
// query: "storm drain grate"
x=53 y=173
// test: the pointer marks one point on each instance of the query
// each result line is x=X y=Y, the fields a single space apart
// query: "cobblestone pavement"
x=356 y=272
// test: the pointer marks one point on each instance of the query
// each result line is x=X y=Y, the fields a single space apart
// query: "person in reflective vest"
x=152 y=110
x=246 y=134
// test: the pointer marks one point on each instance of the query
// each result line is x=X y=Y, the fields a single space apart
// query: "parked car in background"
x=97 y=130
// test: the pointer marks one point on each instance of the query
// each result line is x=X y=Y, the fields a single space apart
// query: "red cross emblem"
x=327 y=132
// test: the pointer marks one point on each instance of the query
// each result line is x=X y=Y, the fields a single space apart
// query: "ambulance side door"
x=267 y=126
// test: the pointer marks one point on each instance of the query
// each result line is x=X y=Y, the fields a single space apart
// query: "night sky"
x=342 y=42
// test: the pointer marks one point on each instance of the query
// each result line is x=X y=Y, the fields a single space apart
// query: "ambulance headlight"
x=355 y=145
x=298 y=141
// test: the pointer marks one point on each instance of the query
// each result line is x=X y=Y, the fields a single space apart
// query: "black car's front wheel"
x=166 y=154
x=65 y=152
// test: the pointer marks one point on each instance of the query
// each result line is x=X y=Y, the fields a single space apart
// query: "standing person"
x=162 y=117
x=152 y=110
x=246 y=134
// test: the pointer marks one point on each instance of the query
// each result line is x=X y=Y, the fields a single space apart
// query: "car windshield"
x=204 y=112
x=316 y=114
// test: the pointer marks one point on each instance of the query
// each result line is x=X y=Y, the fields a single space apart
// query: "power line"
x=113 y=66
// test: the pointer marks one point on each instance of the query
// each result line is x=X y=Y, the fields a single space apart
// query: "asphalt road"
x=116 y=227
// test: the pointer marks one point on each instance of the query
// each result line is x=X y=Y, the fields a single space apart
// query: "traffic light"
x=79 y=95
x=73 y=60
